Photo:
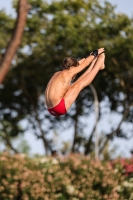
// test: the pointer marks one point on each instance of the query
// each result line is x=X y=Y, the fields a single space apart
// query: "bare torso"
x=56 y=88
x=60 y=85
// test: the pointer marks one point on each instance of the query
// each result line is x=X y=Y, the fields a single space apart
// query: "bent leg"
x=81 y=83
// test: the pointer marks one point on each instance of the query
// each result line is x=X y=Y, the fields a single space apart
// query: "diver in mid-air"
x=61 y=92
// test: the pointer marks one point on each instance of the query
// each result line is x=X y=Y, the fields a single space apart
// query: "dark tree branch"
x=12 y=47
x=88 y=144
x=35 y=128
x=45 y=142
x=75 y=135
x=8 y=142
x=75 y=118
x=41 y=135
x=96 y=104
x=117 y=129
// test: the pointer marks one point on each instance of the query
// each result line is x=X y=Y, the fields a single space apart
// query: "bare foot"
x=102 y=59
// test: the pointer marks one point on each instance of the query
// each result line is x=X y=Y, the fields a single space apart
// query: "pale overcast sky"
x=123 y=6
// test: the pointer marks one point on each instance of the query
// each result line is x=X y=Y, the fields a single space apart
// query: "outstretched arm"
x=84 y=63
x=82 y=60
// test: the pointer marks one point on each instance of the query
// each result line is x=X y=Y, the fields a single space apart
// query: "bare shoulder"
x=64 y=76
x=69 y=72
x=55 y=75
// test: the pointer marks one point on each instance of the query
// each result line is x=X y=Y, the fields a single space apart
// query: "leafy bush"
x=73 y=177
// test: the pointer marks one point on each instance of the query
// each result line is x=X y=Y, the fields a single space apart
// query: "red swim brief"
x=59 y=109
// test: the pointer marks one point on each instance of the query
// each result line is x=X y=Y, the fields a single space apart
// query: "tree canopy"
x=53 y=31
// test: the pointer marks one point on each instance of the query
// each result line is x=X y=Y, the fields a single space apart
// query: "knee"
x=78 y=86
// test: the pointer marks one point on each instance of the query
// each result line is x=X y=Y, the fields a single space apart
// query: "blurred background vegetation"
x=67 y=170
x=73 y=177
x=54 y=30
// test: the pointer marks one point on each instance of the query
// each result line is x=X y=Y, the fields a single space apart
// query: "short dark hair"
x=69 y=62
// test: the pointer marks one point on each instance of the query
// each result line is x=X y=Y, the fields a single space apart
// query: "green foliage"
x=56 y=30
x=9 y=136
x=6 y=28
x=22 y=145
x=70 y=178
